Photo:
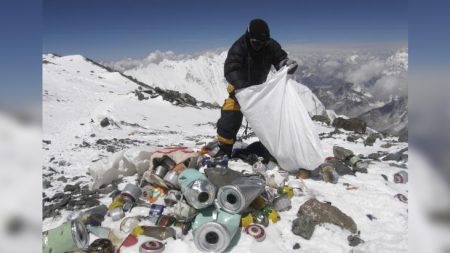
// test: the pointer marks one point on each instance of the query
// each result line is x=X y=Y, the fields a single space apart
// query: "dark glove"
x=292 y=65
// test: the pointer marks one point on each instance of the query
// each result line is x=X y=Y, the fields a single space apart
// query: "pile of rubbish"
x=181 y=191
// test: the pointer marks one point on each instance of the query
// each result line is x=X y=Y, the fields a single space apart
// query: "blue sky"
x=110 y=30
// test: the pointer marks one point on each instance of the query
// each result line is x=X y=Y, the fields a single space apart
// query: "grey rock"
x=403 y=136
x=58 y=195
x=370 y=140
x=354 y=240
x=72 y=188
x=62 y=179
x=387 y=145
x=111 y=149
x=341 y=168
x=85 y=144
x=296 y=246
x=353 y=124
x=353 y=137
x=91 y=203
x=322 y=118
x=401 y=165
x=64 y=201
x=304 y=226
x=46 y=184
x=62 y=163
x=341 y=153
x=376 y=156
x=105 y=122
x=396 y=157
x=371 y=217
x=105 y=190
x=326 y=213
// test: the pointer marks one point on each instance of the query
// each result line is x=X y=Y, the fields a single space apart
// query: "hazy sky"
x=112 y=29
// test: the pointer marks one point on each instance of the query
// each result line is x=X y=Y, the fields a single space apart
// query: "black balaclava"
x=258 y=29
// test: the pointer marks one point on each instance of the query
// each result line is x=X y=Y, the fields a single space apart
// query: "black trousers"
x=230 y=120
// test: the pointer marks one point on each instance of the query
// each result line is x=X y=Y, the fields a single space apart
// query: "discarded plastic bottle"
x=214 y=229
x=401 y=177
x=70 y=236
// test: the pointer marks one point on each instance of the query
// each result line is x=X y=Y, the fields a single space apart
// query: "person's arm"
x=279 y=55
x=281 y=59
x=234 y=70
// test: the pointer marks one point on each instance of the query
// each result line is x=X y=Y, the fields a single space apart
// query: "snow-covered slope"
x=78 y=95
x=201 y=77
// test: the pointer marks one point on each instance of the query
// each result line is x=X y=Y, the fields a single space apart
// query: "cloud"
x=378 y=69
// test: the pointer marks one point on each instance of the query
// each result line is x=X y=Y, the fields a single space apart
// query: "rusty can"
x=256 y=231
x=401 y=177
x=152 y=246
x=101 y=246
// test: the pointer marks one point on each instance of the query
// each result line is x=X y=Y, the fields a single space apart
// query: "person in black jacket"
x=248 y=63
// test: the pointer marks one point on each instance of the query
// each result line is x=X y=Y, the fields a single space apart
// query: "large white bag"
x=278 y=117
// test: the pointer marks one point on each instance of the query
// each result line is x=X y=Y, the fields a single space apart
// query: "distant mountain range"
x=370 y=85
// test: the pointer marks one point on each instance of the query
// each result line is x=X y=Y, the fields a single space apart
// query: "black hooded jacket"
x=245 y=66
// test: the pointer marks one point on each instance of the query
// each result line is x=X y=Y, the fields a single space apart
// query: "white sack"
x=276 y=113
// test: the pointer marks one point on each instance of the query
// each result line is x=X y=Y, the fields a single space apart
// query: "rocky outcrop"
x=354 y=124
x=314 y=212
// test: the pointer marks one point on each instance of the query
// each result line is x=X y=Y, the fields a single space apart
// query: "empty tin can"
x=241 y=193
x=171 y=179
x=401 y=177
x=116 y=213
x=152 y=247
x=214 y=229
x=401 y=197
x=101 y=246
x=256 y=231
x=132 y=191
x=196 y=188
x=70 y=236
x=156 y=210
x=165 y=220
